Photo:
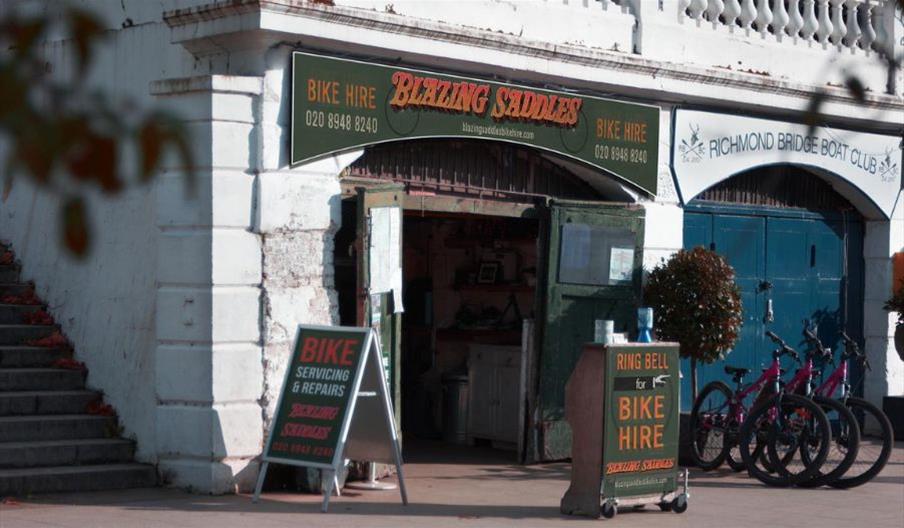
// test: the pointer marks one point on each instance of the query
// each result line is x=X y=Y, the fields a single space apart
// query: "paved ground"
x=474 y=488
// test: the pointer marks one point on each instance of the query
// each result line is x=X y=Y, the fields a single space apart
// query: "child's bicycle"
x=778 y=426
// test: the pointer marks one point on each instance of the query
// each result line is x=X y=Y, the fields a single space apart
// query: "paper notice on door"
x=621 y=264
x=384 y=247
x=397 y=292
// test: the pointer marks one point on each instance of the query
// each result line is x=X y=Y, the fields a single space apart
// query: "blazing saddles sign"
x=710 y=147
x=339 y=104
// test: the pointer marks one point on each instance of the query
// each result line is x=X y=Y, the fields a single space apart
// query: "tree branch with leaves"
x=68 y=137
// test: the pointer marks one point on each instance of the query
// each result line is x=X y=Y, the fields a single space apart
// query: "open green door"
x=593 y=272
x=379 y=235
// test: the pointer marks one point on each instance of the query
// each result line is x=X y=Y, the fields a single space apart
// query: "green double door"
x=791 y=267
x=593 y=271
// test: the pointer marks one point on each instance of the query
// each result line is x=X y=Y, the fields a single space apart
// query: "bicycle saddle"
x=736 y=371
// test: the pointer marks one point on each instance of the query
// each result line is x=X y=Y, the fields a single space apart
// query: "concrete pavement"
x=472 y=487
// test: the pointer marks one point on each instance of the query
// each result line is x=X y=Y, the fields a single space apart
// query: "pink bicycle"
x=876 y=436
x=782 y=440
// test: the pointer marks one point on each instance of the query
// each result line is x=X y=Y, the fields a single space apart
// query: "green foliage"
x=896 y=303
x=65 y=136
x=696 y=302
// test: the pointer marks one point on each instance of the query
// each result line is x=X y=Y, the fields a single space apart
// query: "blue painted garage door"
x=806 y=266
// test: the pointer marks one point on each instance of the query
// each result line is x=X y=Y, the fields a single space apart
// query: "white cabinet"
x=494 y=377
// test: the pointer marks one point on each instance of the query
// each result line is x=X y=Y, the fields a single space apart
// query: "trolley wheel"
x=665 y=506
x=679 y=505
x=609 y=509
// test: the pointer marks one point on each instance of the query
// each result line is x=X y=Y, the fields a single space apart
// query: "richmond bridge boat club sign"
x=340 y=104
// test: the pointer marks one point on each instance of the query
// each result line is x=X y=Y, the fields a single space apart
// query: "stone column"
x=664 y=216
x=209 y=372
x=883 y=238
x=298 y=213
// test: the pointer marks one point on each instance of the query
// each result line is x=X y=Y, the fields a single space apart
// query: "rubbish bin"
x=455 y=408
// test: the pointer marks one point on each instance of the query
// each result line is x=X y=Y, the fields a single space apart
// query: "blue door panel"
x=698 y=230
x=803 y=259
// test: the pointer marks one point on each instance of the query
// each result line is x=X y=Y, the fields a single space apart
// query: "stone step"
x=31 y=379
x=14 y=314
x=76 y=478
x=28 y=356
x=18 y=334
x=56 y=427
x=14 y=288
x=9 y=272
x=66 y=452
x=46 y=402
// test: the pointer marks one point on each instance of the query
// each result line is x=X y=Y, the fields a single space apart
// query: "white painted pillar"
x=298 y=213
x=664 y=217
x=208 y=363
x=883 y=239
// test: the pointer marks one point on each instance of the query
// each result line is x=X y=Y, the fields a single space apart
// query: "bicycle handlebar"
x=851 y=349
x=785 y=349
x=814 y=340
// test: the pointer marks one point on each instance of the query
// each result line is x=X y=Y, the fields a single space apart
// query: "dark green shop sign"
x=340 y=104
x=314 y=402
x=640 y=447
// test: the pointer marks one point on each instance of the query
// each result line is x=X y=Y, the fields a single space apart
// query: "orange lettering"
x=403 y=81
x=624 y=408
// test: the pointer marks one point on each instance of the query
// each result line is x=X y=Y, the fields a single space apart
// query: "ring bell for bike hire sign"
x=334 y=406
x=340 y=104
x=640 y=443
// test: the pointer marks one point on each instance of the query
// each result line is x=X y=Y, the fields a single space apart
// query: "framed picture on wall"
x=487 y=272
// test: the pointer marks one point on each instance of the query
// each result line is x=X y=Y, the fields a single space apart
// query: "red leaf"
x=27 y=298
x=99 y=408
x=39 y=317
x=151 y=138
x=75 y=227
x=54 y=340
x=94 y=157
x=68 y=364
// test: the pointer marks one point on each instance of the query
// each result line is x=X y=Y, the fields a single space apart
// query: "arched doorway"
x=508 y=254
x=797 y=249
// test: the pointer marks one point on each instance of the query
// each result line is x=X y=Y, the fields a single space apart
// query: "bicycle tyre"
x=734 y=460
x=850 y=441
x=858 y=406
x=768 y=435
x=696 y=425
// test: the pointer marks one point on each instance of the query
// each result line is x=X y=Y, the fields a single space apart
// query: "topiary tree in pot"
x=896 y=304
x=695 y=302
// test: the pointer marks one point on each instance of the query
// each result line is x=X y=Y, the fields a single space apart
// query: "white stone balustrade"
x=843 y=24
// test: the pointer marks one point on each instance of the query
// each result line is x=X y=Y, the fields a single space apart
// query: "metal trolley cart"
x=622 y=404
x=672 y=498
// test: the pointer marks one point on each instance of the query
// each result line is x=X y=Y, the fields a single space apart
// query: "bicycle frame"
x=773 y=374
x=838 y=378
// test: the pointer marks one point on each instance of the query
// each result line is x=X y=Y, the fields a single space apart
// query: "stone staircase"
x=55 y=434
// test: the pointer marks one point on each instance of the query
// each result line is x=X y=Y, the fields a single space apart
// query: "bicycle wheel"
x=734 y=459
x=843 y=448
x=781 y=425
x=876 y=441
x=709 y=420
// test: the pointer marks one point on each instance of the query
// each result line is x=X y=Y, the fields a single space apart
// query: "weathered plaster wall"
x=297 y=215
x=105 y=302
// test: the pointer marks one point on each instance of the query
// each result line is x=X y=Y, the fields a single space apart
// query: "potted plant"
x=695 y=302
x=896 y=304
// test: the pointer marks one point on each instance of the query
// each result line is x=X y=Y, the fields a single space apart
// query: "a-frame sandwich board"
x=330 y=407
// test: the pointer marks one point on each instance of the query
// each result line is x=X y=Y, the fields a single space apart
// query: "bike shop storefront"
x=484 y=228
x=787 y=207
